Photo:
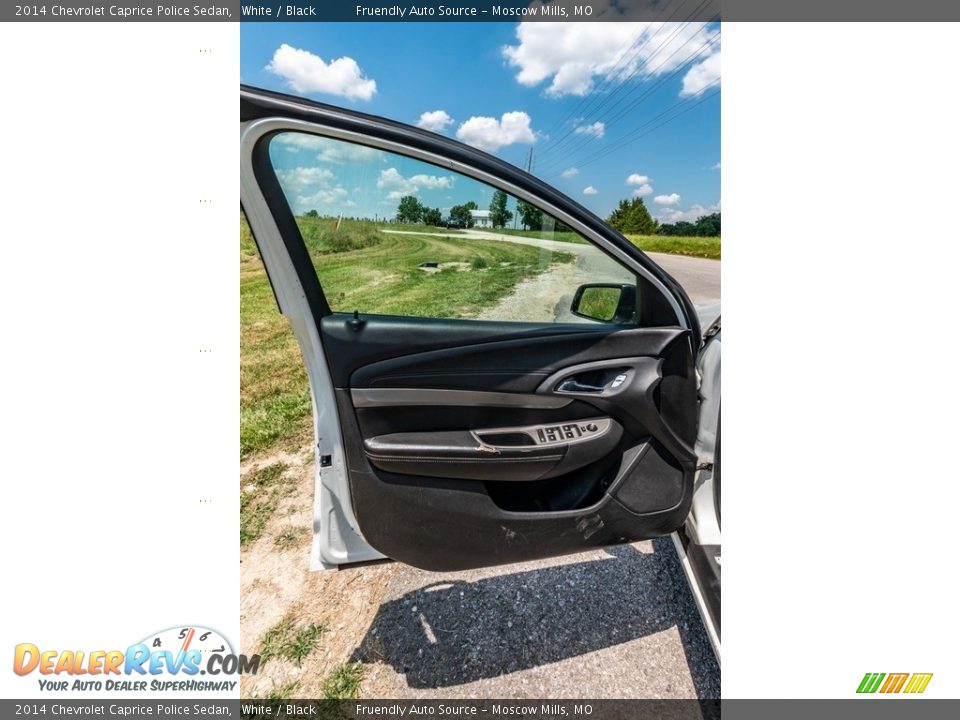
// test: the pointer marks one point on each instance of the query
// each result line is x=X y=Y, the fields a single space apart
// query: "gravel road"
x=613 y=623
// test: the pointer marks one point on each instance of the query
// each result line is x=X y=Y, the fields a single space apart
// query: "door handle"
x=576 y=385
x=572 y=385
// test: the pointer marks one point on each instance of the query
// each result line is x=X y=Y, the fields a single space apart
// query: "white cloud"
x=329 y=150
x=692 y=214
x=569 y=172
x=671 y=199
x=595 y=130
x=308 y=73
x=640 y=184
x=434 y=121
x=397 y=185
x=589 y=190
x=302 y=178
x=574 y=56
x=716 y=167
x=701 y=76
x=490 y=134
x=313 y=188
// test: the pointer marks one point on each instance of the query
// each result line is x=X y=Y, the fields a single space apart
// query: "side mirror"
x=606 y=302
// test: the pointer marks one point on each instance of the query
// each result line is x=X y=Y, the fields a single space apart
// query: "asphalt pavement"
x=612 y=623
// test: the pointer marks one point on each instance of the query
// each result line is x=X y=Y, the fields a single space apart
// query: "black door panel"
x=451 y=524
x=462 y=356
x=458 y=456
x=351 y=345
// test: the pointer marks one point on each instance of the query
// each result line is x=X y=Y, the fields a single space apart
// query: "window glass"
x=392 y=235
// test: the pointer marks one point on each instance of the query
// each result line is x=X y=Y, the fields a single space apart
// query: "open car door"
x=519 y=384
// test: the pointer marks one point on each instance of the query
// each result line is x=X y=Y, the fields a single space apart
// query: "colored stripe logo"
x=913 y=683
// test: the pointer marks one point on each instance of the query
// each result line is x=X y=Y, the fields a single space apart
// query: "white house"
x=481 y=218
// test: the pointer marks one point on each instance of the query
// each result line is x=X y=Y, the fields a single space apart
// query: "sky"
x=610 y=110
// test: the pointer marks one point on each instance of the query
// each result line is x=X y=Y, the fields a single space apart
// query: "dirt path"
x=276 y=582
x=544 y=298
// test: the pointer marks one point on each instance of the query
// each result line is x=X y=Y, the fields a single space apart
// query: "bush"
x=323 y=237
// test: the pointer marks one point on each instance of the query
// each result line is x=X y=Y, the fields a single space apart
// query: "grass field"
x=360 y=269
x=704 y=247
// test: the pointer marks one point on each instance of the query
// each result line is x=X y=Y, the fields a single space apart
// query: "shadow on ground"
x=451 y=633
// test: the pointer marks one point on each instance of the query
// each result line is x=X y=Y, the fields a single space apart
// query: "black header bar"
x=481 y=11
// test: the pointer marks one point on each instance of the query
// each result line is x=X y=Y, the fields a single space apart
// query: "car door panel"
x=435 y=439
x=450 y=443
x=445 y=524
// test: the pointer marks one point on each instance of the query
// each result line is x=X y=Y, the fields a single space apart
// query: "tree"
x=431 y=216
x=460 y=215
x=632 y=216
x=410 y=210
x=705 y=226
x=311 y=214
x=499 y=215
x=531 y=217
x=708 y=225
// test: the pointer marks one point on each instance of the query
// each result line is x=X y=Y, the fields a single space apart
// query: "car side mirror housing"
x=606 y=302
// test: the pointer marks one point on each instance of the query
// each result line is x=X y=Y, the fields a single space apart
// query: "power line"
x=684 y=64
x=599 y=100
x=612 y=73
x=627 y=139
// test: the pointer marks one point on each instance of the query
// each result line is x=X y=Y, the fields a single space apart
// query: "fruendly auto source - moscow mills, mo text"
x=399 y=11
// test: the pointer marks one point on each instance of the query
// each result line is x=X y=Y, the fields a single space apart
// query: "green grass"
x=600 y=303
x=275 y=408
x=386 y=278
x=262 y=491
x=286 y=640
x=292 y=537
x=324 y=236
x=284 y=692
x=343 y=682
x=705 y=247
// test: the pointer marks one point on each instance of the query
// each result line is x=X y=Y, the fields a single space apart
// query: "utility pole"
x=529 y=169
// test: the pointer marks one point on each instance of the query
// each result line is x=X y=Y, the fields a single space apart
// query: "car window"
x=392 y=235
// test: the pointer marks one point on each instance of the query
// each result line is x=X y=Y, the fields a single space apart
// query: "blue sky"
x=611 y=110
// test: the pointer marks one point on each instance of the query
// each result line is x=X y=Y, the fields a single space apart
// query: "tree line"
x=411 y=210
x=632 y=216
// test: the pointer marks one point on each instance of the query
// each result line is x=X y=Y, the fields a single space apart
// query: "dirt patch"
x=430 y=268
x=544 y=298
x=275 y=580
